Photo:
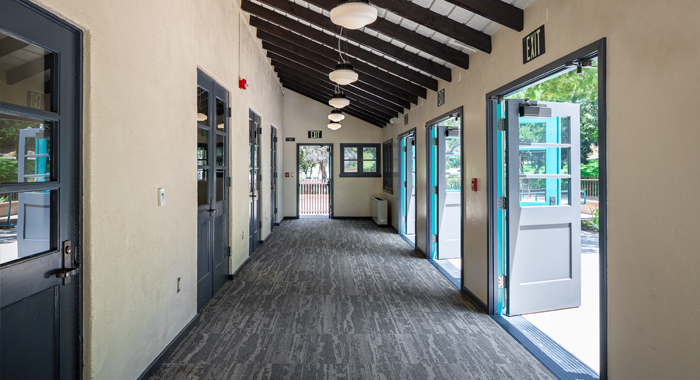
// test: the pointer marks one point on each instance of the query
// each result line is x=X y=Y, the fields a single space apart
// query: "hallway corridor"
x=343 y=299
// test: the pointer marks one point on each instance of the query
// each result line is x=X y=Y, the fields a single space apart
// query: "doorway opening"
x=407 y=186
x=314 y=181
x=212 y=188
x=444 y=191
x=254 y=181
x=547 y=136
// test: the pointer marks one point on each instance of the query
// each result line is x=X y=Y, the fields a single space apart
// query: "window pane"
x=220 y=116
x=369 y=153
x=25 y=150
x=532 y=132
x=202 y=182
x=25 y=221
x=26 y=75
x=350 y=166
x=544 y=160
x=350 y=153
x=369 y=166
x=201 y=154
x=220 y=185
x=202 y=107
x=220 y=149
x=544 y=192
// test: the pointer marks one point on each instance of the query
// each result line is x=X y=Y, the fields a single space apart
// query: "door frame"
x=430 y=255
x=596 y=49
x=77 y=149
x=330 y=176
x=402 y=168
x=273 y=178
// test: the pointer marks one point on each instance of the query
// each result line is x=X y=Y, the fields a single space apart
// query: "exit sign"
x=533 y=45
x=315 y=134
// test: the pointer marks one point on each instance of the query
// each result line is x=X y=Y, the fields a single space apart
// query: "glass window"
x=220 y=155
x=202 y=107
x=26 y=74
x=360 y=160
x=25 y=150
x=25 y=224
x=544 y=192
x=388 y=169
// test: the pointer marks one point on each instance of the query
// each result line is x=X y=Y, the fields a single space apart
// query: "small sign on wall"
x=289 y=139
x=533 y=45
x=441 y=97
x=315 y=134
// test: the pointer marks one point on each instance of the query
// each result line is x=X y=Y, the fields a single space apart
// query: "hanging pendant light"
x=353 y=14
x=334 y=126
x=343 y=74
x=201 y=116
x=339 y=100
x=336 y=115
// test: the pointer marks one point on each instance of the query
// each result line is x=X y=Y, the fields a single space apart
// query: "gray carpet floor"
x=344 y=299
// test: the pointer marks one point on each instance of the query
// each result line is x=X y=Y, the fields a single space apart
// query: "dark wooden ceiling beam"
x=328 y=90
x=393 y=68
x=406 y=36
x=438 y=23
x=384 y=87
x=295 y=69
x=362 y=38
x=266 y=30
x=495 y=10
x=309 y=94
x=357 y=109
x=313 y=68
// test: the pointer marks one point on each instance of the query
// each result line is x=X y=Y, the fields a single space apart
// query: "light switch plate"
x=161 y=197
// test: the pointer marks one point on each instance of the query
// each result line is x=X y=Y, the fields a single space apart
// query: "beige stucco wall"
x=352 y=196
x=141 y=60
x=653 y=261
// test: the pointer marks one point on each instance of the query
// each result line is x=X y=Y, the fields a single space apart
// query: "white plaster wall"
x=352 y=196
x=140 y=75
x=653 y=308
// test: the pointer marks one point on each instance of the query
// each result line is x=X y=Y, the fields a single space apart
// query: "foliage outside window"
x=388 y=170
x=360 y=160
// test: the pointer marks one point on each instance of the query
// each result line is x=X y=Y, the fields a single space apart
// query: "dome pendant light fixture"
x=334 y=126
x=201 y=116
x=336 y=115
x=353 y=14
x=343 y=74
x=339 y=100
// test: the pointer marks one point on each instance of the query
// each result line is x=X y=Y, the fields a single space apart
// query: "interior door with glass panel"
x=273 y=178
x=254 y=177
x=212 y=188
x=447 y=186
x=408 y=187
x=40 y=204
x=544 y=215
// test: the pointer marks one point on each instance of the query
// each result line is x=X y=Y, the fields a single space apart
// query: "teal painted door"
x=544 y=216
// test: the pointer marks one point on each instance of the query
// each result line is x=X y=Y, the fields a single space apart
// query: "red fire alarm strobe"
x=286 y=174
x=242 y=84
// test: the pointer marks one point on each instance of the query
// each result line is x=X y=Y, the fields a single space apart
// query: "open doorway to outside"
x=551 y=277
x=445 y=194
x=314 y=176
x=407 y=186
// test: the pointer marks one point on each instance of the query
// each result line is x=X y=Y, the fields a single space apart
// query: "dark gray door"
x=212 y=188
x=254 y=177
x=40 y=201
x=544 y=215
x=273 y=179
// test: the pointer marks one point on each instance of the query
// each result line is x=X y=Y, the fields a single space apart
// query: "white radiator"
x=379 y=214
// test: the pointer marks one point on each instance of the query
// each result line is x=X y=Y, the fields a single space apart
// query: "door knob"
x=64 y=273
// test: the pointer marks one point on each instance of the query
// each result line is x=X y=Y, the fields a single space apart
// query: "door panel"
x=40 y=247
x=254 y=181
x=273 y=178
x=212 y=188
x=544 y=219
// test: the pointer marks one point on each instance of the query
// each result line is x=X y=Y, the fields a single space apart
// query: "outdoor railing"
x=313 y=197
x=590 y=186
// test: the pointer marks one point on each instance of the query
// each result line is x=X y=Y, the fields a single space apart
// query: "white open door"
x=544 y=215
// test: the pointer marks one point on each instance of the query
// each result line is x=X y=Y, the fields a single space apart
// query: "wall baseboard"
x=475 y=300
x=151 y=369
x=232 y=275
x=290 y=217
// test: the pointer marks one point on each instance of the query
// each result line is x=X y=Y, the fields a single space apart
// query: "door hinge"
x=502 y=282
x=228 y=252
x=502 y=125
x=275 y=138
x=434 y=239
x=228 y=181
x=435 y=141
x=260 y=130
x=502 y=203
x=405 y=149
x=403 y=184
x=435 y=189
x=229 y=112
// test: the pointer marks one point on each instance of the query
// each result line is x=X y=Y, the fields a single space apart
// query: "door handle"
x=65 y=273
x=211 y=206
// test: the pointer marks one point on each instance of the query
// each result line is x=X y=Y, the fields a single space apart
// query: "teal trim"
x=501 y=214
